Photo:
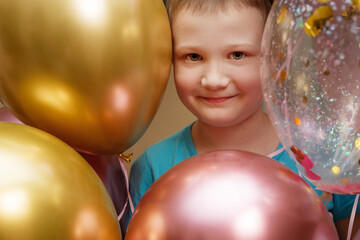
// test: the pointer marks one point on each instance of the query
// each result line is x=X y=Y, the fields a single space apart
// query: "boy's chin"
x=219 y=122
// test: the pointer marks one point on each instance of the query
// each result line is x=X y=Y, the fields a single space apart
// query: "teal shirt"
x=160 y=157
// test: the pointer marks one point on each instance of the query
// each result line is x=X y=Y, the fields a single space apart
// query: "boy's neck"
x=255 y=134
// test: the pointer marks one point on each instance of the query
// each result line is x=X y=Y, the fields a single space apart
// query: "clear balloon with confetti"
x=310 y=70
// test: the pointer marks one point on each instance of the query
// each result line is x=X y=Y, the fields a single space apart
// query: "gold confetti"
x=307 y=63
x=282 y=56
x=282 y=77
x=315 y=23
x=282 y=15
x=357 y=143
x=326 y=72
x=359 y=64
x=126 y=156
x=297 y=121
x=324 y=1
x=348 y=13
x=345 y=180
x=335 y=169
x=356 y=4
x=304 y=99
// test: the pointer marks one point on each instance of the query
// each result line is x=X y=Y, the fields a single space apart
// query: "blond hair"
x=201 y=6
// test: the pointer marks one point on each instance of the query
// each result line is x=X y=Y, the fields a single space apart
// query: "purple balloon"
x=230 y=195
x=109 y=170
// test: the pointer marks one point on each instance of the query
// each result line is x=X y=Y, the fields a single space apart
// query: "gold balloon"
x=48 y=191
x=91 y=73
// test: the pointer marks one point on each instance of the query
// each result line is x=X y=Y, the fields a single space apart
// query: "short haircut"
x=201 y=6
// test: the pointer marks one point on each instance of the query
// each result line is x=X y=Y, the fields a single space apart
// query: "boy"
x=217 y=75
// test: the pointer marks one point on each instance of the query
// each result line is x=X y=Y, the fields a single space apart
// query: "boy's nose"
x=215 y=79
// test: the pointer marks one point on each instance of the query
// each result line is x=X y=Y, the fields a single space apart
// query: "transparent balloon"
x=310 y=70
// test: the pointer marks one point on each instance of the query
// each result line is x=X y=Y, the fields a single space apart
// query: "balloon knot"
x=126 y=156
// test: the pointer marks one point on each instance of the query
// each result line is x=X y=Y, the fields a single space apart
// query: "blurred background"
x=171 y=117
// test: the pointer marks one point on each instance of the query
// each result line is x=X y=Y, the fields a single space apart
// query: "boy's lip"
x=216 y=99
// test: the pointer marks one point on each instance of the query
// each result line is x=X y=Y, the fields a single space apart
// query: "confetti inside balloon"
x=314 y=98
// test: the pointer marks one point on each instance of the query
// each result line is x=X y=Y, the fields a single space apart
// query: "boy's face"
x=217 y=63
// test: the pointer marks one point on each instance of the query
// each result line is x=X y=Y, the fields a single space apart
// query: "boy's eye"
x=193 y=57
x=237 y=55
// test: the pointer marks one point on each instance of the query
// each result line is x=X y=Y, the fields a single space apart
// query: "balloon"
x=230 y=195
x=108 y=168
x=310 y=77
x=91 y=73
x=103 y=165
x=7 y=116
x=48 y=191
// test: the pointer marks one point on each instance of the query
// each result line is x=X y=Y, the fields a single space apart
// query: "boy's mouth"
x=216 y=99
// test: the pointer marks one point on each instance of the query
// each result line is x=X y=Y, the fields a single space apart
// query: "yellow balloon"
x=48 y=191
x=90 y=72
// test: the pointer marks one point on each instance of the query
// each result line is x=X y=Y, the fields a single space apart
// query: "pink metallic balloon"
x=7 y=116
x=230 y=195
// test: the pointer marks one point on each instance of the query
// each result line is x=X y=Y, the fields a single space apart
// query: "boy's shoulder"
x=171 y=142
x=161 y=156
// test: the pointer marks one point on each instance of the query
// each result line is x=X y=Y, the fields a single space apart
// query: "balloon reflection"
x=14 y=203
x=250 y=225
x=92 y=12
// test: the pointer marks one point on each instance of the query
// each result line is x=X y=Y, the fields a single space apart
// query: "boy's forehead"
x=203 y=8
x=198 y=10
x=228 y=28
x=198 y=13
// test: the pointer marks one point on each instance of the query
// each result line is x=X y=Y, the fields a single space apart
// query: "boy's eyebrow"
x=247 y=46
x=187 y=47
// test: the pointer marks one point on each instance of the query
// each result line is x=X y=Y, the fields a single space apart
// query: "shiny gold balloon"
x=90 y=72
x=48 y=191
